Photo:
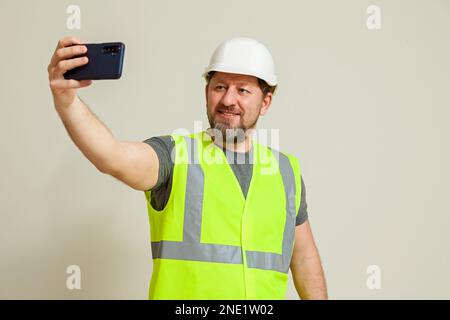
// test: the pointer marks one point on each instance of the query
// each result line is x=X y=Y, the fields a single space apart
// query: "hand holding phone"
x=65 y=91
x=105 y=62
x=72 y=54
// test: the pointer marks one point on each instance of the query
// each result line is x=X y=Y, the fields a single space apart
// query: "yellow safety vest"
x=209 y=241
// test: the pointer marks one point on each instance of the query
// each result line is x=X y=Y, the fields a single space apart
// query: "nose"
x=230 y=97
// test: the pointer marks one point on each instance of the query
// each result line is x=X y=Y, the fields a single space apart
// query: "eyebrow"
x=243 y=82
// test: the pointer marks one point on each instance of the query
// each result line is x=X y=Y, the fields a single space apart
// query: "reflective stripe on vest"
x=192 y=249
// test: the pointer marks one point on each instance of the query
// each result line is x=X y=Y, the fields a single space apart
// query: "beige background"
x=367 y=112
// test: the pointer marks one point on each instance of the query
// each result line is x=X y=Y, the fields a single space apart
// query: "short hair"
x=263 y=85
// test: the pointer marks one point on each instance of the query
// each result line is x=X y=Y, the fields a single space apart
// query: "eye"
x=220 y=87
x=242 y=90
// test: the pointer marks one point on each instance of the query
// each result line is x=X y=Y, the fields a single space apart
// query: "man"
x=227 y=214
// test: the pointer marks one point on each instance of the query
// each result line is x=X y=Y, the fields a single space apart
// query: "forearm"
x=309 y=278
x=89 y=134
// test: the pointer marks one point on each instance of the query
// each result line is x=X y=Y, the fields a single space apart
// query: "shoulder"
x=163 y=141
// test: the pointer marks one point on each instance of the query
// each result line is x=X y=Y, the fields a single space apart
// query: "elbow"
x=105 y=169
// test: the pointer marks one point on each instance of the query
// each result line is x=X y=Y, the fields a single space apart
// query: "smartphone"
x=105 y=62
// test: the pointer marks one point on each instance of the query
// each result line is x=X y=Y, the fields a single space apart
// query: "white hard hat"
x=243 y=56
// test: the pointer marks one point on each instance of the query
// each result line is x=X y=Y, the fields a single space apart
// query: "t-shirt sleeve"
x=302 y=215
x=163 y=146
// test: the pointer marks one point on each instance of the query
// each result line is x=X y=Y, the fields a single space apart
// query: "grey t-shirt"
x=240 y=162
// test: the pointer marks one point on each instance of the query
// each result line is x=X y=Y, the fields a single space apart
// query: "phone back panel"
x=105 y=62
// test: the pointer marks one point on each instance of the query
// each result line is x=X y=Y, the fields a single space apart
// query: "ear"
x=267 y=101
x=206 y=93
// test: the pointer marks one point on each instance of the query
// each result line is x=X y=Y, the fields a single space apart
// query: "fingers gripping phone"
x=105 y=62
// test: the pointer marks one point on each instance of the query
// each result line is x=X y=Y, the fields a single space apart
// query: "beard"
x=225 y=131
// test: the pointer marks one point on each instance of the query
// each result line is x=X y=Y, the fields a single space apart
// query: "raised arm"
x=134 y=163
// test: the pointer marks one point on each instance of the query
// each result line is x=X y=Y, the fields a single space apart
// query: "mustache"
x=231 y=109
